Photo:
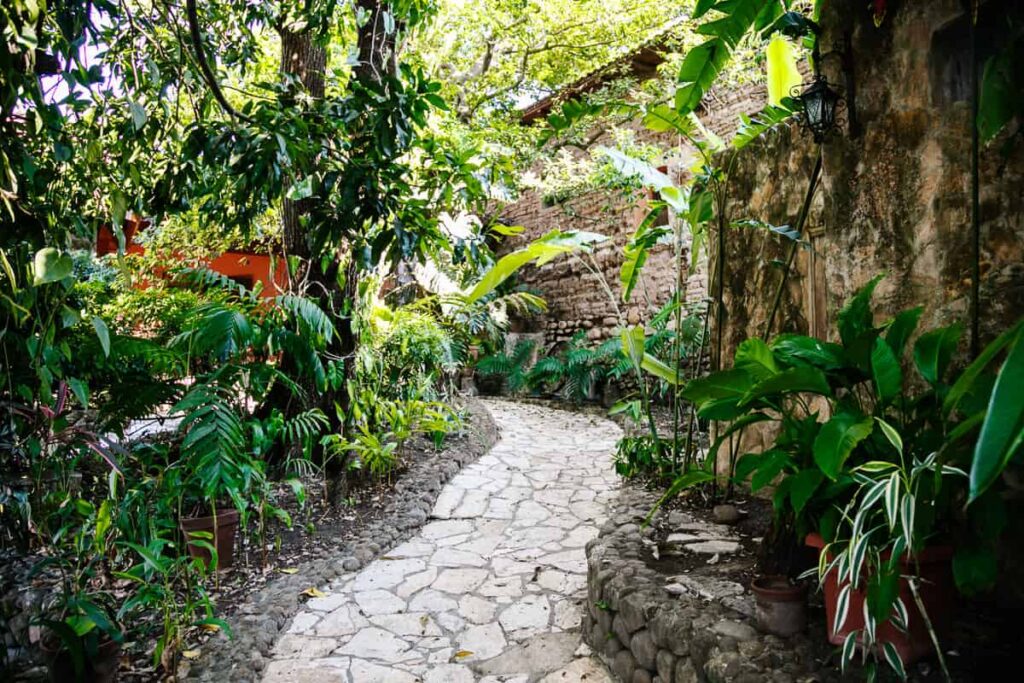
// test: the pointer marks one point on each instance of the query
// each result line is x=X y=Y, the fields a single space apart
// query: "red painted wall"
x=247 y=267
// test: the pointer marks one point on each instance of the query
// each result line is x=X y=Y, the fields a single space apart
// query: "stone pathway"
x=492 y=589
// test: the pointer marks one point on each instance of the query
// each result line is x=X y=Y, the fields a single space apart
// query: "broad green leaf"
x=637 y=249
x=855 y=318
x=1000 y=91
x=1002 y=433
x=783 y=74
x=754 y=356
x=837 y=439
x=901 y=327
x=541 y=251
x=698 y=72
x=722 y=384
x=796 y=349
x=753 y=126
x=972 y=372
x=933 y=350
x=802 y=487
x=701 y=7
x=51 y=266
x=138 y=115
x=793 y=380
x=662 y=118
x=633 y=339
x=631 y=167
x=102 y=333
x=885 y=370
x=771 y=465
x=81 y=391
x=660 y=369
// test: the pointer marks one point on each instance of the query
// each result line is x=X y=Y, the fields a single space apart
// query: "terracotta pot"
x=780 y=606
x=223 y=536
x=937 y=593
x=100 y=669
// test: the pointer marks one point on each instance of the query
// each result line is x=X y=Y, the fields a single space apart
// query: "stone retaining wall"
x=650 y=628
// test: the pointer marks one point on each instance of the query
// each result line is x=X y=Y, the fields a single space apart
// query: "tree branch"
x=204 y=65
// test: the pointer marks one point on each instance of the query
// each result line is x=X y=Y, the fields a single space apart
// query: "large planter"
x=937 y=591
x=780 y=606
x=61 y=665
x=223 y=528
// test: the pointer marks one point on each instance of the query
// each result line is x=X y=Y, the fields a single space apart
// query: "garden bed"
x=258 y=601
x=665 y=607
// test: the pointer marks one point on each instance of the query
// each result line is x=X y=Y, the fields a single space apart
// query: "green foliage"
x=413 y=344
x=538 y=252
x=1001 y=87
x=847 y=413
x=637 y=456
x=511 y=367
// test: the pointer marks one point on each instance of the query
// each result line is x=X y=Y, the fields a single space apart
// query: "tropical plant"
x=83 y=616
x=895 y=510
x=510 y=367
x=575 y=372
x=835 y=406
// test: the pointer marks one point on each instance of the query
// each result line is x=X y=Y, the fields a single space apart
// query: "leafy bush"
x=158 y=312
x=413 y=343
x=510 y=369
x=637 y=456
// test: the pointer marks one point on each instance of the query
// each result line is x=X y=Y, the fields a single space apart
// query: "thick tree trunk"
x=378 y=55
x=303 y=58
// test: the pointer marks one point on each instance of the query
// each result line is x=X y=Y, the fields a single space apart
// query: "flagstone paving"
x=492 y=588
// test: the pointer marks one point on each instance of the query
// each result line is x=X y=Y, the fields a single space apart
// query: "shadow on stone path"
x=492 y=588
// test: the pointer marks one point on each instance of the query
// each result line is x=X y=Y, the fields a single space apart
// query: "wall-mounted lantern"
x=819 y=104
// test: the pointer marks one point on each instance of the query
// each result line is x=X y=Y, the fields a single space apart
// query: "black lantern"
x=819 y=103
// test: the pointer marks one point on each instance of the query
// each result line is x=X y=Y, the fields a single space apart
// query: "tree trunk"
x=377 y=54
x=303 y=58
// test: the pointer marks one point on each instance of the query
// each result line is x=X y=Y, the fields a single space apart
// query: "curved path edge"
x=492 y=589
x=266 y=614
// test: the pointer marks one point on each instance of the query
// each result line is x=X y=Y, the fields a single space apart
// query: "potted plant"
x=214 y=474
x=81 y=639
x=836 y=407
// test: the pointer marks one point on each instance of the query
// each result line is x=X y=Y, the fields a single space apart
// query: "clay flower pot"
x=780 y=606
x=937 y=593
x=223 y=528
x=100 y=669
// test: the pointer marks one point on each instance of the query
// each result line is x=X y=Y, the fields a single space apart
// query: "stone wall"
x=894 y=195
x=576 y=298
x=650 y=628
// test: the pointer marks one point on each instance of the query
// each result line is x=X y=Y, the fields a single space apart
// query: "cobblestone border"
x=648 y=634
x=256 y=624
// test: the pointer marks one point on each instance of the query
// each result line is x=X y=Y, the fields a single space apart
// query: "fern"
x=512 y=367
x=308 y=315
x=305 y=426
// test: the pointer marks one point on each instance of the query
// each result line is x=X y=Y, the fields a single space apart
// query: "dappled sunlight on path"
x=492 y=588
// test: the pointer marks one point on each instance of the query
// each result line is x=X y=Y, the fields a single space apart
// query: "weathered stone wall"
x=650 y=628
x=576 y=298
x=894 y=196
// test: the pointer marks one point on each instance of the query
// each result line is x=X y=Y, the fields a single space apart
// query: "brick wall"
x=576 y=298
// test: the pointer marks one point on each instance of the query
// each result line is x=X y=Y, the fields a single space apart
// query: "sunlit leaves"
x=783 y=74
